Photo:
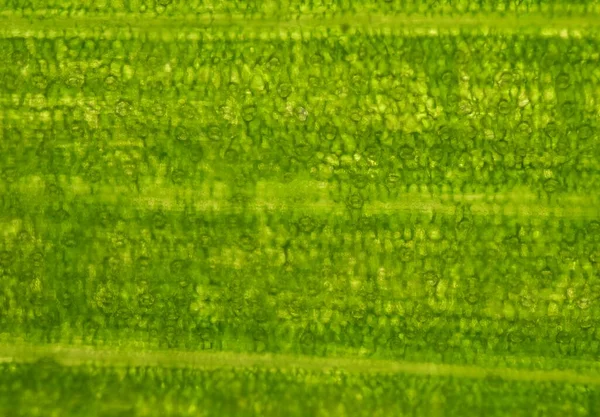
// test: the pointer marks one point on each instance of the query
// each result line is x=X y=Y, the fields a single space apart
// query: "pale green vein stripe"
x=103 y=357
x=225 y=26
x=308 y=195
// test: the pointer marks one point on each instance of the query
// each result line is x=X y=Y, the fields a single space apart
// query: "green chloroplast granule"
x=290 y=208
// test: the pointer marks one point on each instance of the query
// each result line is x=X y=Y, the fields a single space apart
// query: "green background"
x=299 y=208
